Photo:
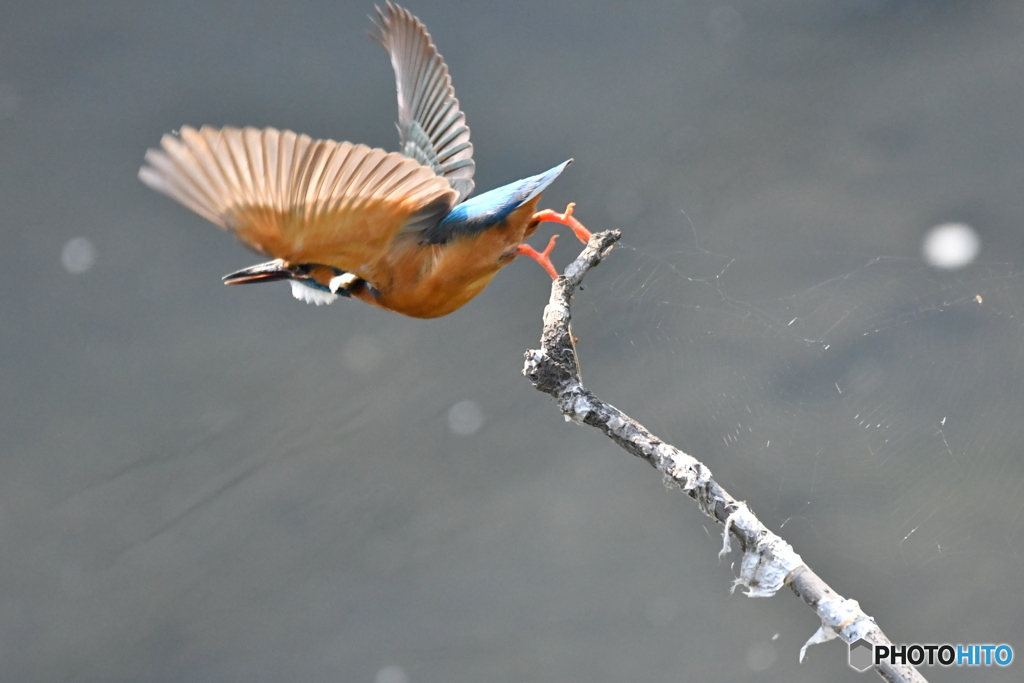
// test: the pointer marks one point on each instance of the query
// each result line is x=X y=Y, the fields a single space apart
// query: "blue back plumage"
x=490 y=208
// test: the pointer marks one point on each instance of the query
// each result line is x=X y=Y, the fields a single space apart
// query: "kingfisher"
x=397 y=230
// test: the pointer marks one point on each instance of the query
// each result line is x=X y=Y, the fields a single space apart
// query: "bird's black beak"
x=261 y=272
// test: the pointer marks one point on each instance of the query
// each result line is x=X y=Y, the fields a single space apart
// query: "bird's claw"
x=566 y=218
x=541 y=257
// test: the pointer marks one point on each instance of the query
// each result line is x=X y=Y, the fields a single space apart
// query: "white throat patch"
x=310 y=295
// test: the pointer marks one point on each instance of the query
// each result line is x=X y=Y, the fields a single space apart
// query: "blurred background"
x=818 y=293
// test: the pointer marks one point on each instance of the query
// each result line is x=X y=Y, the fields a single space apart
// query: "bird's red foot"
x=565 y=219
x=541 y=257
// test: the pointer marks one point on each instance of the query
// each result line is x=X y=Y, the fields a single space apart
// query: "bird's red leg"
x=541 y=257
x=565 y=219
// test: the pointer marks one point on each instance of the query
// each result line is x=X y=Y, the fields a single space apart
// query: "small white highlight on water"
x=465 y=418
x=951 y=246
x=78 y=255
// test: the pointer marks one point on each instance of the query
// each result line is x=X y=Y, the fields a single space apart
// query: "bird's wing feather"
x=490 y=208
x=295 y=198
x=433 y=129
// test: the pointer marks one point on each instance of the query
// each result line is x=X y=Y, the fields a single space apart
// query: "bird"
x=396 y=230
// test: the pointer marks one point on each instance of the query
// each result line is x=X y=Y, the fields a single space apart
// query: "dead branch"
x=768 y=562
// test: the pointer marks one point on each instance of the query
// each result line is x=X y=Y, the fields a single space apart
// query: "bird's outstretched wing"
x=295 y=198
x=432 y=128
